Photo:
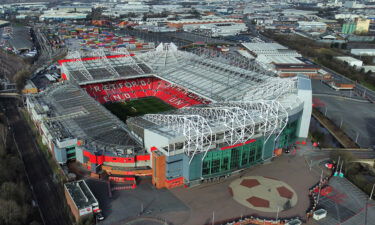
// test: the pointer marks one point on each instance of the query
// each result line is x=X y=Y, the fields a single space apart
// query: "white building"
x=348 y=16
x=311 y=26
x=73 y=8
x=269 y=49
x=217 y=29
x=131 y=7
x=363 y=51
x=168 y=8
x=350 y=60
x=53 y=15
x=353 y=5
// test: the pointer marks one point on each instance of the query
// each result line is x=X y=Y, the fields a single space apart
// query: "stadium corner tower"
x=225 y=119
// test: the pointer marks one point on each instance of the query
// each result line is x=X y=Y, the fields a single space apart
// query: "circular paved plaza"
x=265 y=194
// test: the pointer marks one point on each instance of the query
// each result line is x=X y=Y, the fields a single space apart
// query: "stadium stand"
x=124 y=90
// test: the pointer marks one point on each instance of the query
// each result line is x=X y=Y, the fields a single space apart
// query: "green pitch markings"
x=137 y=107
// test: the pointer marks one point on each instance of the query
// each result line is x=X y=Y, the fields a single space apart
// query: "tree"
x=11 y=213
x=21 y=78
x=13 y=191
x=34 y=223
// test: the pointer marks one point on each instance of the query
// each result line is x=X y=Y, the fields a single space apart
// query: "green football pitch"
x=137 y=107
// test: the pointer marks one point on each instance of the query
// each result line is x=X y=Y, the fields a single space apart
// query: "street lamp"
x=277 y=214
x=372 y=192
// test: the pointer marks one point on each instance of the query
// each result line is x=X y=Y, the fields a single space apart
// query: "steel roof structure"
x=86 y=119
x=230 y=122
x=214 y=80
x=101 y=65
x=247 y=102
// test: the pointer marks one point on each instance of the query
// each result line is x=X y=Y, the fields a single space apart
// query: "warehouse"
x=268 y=49
x=350 y=61
x=217 y=29
x=4 y=23
x=310 y=26
x=363 y=52
x=61 y=16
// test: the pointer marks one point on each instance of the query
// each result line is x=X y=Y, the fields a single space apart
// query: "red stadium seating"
x=123 y=90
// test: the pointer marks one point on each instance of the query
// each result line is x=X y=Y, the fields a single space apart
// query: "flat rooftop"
x=259 y=47
x=20 y=39
x=81 y=194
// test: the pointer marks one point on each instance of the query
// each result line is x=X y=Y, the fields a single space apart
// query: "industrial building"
x=216 y=29
x=363 y=51
x=207 y=20
x=61 y=16
x=269 y=49
x=4 y=23
x=350 y=61
x=225 y=119
x=80 y=199
x=281 y=60
x=310 y=26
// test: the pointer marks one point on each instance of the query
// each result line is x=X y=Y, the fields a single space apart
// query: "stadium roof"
x=211 y=79
x=260 y=113
x=102 y=65
x=86 y=119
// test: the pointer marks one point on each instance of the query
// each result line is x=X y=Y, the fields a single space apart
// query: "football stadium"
x=169 y=114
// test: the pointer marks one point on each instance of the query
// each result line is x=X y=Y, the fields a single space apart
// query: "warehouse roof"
x=348 y=59
x=297 y=66
x=4 y=22
x=268 y=49
x=279 y=59
x=260 y=47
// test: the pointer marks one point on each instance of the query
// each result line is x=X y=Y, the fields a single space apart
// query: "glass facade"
x=223 y=161
x=71 y=153
x=289 y=135
x=220 y=162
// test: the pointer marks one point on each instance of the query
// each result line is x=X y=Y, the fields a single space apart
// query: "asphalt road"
x=358 y=87
x=49 y=195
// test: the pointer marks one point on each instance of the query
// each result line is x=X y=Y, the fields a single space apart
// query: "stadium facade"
x=226 y=119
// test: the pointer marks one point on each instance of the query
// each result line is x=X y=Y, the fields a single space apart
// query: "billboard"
x=85 y=211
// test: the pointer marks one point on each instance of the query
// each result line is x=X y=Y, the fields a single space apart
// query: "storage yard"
x=86 y=38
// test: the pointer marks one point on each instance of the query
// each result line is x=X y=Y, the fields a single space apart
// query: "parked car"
x=99 y=216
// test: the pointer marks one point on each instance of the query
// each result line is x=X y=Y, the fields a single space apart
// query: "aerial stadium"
x=188 y=117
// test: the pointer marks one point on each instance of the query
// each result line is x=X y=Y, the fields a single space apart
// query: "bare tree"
x=3 y=135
